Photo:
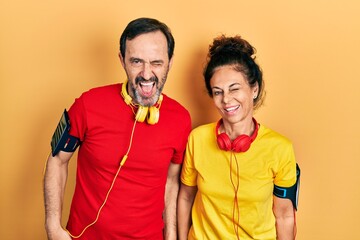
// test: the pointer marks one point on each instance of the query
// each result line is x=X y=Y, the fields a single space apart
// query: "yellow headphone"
x=151 y=114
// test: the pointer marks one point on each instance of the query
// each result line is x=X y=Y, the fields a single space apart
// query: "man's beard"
x=148 y=101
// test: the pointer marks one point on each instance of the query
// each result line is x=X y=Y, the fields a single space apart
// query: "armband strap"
x=61 y=139
x=292 y=192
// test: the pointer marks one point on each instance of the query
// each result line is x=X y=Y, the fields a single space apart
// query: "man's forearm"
x=171 y=194
x=54 y=187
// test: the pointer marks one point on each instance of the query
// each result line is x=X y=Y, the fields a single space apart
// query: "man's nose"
x=147 y=72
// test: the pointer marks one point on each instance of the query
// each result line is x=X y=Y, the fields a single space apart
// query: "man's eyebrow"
x=131 y=59
x=157 y=61
x=135 y=58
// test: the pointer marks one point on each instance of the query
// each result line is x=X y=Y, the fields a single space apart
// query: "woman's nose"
x=226 y=97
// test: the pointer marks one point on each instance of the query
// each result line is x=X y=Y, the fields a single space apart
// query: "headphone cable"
x=123 y=160
x=235 y=183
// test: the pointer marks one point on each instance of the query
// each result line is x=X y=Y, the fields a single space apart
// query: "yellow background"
x=52 y=51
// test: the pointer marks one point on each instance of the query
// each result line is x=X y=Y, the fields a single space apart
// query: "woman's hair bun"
x=232 y=45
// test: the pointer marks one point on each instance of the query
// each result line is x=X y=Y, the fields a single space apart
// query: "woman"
x=232 y=166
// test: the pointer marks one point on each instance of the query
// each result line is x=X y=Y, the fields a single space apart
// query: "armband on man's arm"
x=292 y=192
x=61 y=139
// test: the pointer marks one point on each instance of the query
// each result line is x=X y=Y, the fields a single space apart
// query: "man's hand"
x=58 y=234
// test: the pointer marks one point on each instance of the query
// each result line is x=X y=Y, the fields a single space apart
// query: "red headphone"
x=240 y=144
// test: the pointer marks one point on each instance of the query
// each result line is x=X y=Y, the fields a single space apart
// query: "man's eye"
x=135 y=62
x=157 y=64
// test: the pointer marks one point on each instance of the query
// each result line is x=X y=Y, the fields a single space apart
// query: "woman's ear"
x=255 y=90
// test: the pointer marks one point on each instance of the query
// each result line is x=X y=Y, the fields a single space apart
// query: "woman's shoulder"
x=268 y=134
x=208 y=128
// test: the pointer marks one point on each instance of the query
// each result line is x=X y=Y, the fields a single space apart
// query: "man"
x=132 y=140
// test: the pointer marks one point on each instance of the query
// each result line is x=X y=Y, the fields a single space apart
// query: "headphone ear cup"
x=125 y=95
x=224 y=142
x=153 y=115
x=141 y=114
x=241 y=143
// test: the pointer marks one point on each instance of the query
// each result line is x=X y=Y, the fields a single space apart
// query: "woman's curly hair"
x=237 y=52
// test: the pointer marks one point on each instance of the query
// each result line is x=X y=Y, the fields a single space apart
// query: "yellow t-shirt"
x=270 y=160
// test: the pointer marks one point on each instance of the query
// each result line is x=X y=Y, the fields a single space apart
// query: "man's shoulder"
x=173 y=104
x=173 y=111
x=102 y=91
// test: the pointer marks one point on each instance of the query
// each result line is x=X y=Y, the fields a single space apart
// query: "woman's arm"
x=285 y=218
x=185 y=202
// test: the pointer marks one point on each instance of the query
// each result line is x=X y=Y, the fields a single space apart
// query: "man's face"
x=146 y=64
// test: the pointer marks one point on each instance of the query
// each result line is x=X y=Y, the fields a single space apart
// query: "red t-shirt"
x=103 y=122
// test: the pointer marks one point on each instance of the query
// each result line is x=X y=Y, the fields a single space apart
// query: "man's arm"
x=171 y=194
x=54 y=187
x=285 y=218
x=185 y=203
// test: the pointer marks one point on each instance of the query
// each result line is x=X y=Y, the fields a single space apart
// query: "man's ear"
x=171 y=62
x=121 y=60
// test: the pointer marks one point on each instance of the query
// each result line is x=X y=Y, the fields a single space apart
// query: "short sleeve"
x=77 y=117
x=184 y=134
x=286 y=170
x=188 y=172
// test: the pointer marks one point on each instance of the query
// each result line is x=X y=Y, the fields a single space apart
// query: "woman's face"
x=232 y=95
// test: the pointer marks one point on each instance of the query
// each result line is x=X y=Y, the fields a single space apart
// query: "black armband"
x=61 y=139
x=292 y=192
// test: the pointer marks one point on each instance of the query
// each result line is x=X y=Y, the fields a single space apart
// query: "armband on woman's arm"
x=292 y=192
